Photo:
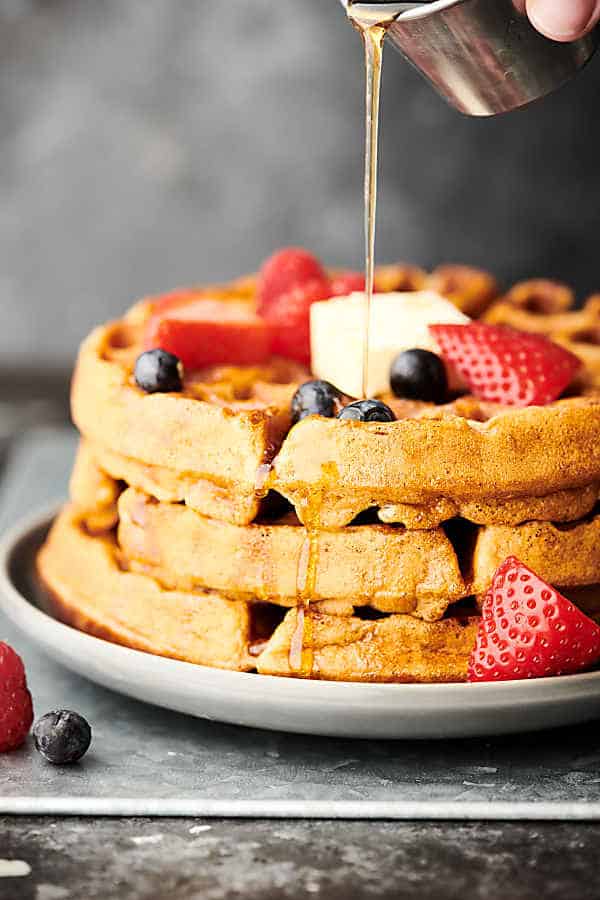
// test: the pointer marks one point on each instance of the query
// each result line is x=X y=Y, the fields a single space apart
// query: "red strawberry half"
x=210 y=332
x=174 y=299
x=529 y=630
x=16 y=710
x=284 y=271
x=506 y=366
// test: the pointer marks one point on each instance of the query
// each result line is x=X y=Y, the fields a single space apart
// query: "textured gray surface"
x=195 y=860
x=140 y=751
x=148 y=143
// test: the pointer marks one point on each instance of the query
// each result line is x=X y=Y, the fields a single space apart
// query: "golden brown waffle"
x=232 y=429
x=390 y=569
x=537 y=305
x=90 y=591
x=94 y=490
x=546 y=306
x=331 y=470
x=228 y=422
x=393 y=649
x=562 y=506
x=471 y=290
x=564 y=555
x=87 y=588
x=185 y=537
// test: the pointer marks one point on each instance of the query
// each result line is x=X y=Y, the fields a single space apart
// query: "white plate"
x=286 y=704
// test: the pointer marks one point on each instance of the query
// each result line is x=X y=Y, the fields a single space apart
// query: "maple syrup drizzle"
x=261 y=481
x=373 y=37
x=372 y=24
x=297 y=640
x=301 y=652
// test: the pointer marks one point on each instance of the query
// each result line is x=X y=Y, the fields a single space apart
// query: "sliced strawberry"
x=507 y=366
x=174 y=299
x=289 y=316
x=529 y=630
x=285 y=270
x=347 y=283
x=210 y=332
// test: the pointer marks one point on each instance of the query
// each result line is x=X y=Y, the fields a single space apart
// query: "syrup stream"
x=373 y=37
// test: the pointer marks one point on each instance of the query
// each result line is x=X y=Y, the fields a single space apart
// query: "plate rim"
x=13 y=601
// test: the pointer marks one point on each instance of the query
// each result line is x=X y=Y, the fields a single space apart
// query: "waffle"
x=229 y=422
x=390 y=569
x=546 y=306
x=93 y=488
x=87 y=588
x=393 y=649
x=471 y=290
x=565 y=556
x=234 y=443
x=332 y=470
x=204 y=527
x=562 y=506
x=537 y=305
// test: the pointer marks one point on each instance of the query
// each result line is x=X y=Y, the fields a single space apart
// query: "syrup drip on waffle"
x=261 y=483
x=301 y=655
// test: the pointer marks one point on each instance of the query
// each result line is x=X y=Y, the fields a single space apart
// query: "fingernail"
x=561 y=19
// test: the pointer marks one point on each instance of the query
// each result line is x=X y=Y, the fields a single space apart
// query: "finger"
x=564 y=20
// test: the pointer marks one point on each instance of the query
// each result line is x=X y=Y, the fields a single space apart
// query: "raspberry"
x=16 y=710
x=289 y=316
x=283 y=271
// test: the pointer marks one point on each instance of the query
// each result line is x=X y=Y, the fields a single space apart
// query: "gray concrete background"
x=141 y=859
x=146 y=143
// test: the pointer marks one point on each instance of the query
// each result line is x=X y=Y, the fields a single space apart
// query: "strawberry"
x=347 y=283
x=506 y=366
x=173 y=299
x=289 y=316
x=208 y=332
x=16 y=710
x=283 y=271
x=529 y=630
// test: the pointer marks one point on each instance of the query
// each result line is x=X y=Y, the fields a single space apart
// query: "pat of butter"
x=399 y=321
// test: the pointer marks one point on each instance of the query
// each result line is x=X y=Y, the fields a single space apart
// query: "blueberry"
x=158 y=371
x=419 y=375
x=315 y=398
x=62 y=736
x=367 y=411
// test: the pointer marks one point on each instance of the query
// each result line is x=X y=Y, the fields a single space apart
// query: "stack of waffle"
x=204 y=527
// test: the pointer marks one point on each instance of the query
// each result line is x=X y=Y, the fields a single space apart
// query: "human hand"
x=562 y=20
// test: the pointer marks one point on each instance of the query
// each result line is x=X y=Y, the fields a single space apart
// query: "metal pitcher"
x=483 y=56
